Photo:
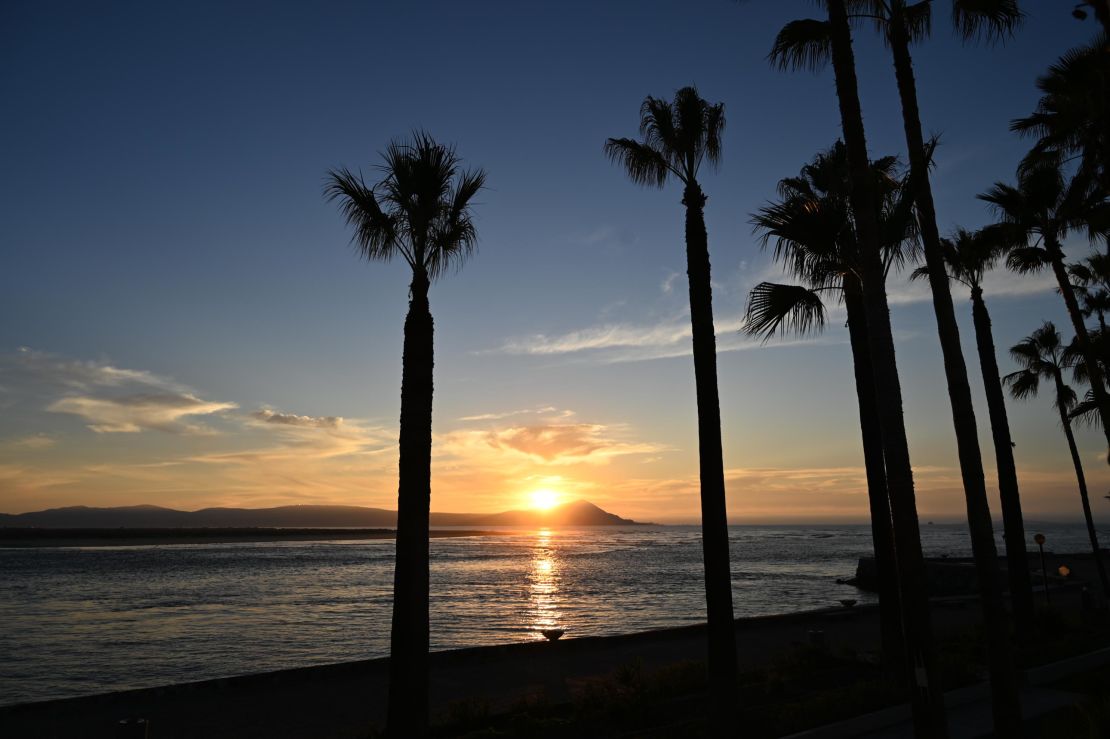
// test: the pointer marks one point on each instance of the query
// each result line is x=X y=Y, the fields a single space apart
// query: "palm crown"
x=1043 y=207
x=815 y=239
x=676 y=138
x=1042 y=356
x=806 y=44
x=419 y=210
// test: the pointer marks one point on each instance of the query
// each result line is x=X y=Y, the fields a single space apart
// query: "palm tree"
x=1072 y=118
x=902 y=23
x=676 y=138
x=969 y=256
x=420 y=211
x=1042 y=356
x=1035 y=216
x=813 y=43
x=815 y=240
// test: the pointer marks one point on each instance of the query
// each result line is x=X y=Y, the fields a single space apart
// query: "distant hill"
x=578 y=513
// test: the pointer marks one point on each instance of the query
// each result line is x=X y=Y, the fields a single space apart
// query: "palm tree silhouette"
x=901 y=23
x=815 y=241
x=812 y=43
x=968 y=257
x=1035 y=216
x=1072 y=118
x=421 y=211
x=1043 y=356
x=677 y=137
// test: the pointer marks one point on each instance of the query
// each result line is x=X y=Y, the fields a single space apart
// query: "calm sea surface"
x=76 y=621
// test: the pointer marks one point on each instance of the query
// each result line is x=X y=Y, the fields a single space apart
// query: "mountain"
x=578 y=513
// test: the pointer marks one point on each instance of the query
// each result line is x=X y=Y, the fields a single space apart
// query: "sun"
x=544 y=499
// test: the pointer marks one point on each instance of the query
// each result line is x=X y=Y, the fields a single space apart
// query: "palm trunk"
x=1006 y=701
x=890 y=620
x=714 y=519
x=1094 y=369
x=1021 y=588
x=926 y=695
x=1082 y=480
x=408 y=649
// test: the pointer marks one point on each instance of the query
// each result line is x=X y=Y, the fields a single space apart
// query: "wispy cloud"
x=134 y=413
x=542 y=410
x=33 y=442
x=627 y=342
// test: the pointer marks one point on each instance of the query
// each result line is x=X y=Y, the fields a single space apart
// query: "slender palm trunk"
x=1094 y=369
x=1006 y=702
x=408 y=649
x=926 y=695
x=1021 y=588
x=714 y=518
x=882 y=535
x=1082 y=480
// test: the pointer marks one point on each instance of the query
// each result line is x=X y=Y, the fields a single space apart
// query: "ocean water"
x=78 y=621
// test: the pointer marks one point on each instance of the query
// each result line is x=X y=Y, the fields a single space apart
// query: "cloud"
x=542 y=443
x=29 y=367
x=267 y=415
x=543 y=410
x=34 y=442
x=623 y=342
x=143 y=412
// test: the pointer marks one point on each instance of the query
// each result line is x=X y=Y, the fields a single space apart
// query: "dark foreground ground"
x=799 y=670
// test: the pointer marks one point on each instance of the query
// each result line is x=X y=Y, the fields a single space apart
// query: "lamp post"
x=1039 y=538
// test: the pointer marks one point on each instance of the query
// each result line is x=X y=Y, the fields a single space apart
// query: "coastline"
x=346 y=699
x=123 y=537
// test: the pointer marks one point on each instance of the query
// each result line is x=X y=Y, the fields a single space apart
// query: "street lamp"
x=1039 y=538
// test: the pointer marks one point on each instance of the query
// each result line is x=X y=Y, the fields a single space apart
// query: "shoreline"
x=31 y=538
x=346 y=699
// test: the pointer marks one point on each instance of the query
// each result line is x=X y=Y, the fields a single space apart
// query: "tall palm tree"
x=1042 y=356
x=901 y=23
x=815 y=241
x=420 y=211
x=813 y=43
x=1034 y=218
x=676 y=139
x=969 y=256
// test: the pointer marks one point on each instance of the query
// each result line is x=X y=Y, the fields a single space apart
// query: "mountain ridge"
x=574 y=513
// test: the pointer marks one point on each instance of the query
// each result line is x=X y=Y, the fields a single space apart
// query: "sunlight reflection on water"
x=543 y=586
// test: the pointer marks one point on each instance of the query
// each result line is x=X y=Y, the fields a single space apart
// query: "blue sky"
x=164 y=218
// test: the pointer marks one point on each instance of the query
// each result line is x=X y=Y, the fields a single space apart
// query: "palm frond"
x=375 y=232
x=1085 y=412
x=988 y=20
x=643 y=164
x=802 y=44
x=917 y=19
x=777 y=308
x=1027 y=259
x=1022 y=384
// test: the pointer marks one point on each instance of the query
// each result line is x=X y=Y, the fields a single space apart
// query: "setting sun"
x=544 y=499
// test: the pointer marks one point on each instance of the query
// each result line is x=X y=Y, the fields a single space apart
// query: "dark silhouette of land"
x=577 y=513
x=118 y=537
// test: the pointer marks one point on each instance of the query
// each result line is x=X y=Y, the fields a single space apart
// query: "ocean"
x=80 y=621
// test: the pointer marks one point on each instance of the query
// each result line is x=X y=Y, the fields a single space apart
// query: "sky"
x=185 y=322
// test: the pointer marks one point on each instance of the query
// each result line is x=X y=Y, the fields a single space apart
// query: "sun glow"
x=544 y=499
